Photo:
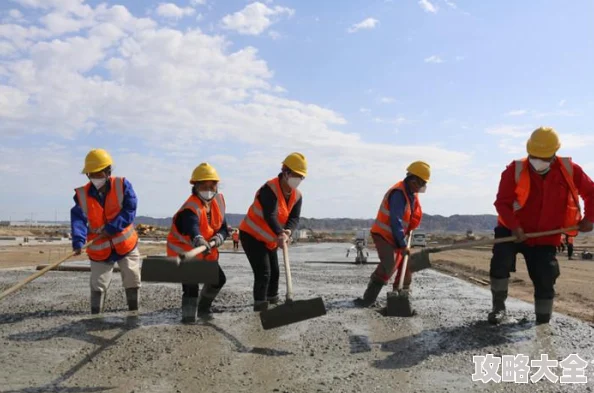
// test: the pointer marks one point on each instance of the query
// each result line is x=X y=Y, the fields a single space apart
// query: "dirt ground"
x=575 y=296
x=50 y=342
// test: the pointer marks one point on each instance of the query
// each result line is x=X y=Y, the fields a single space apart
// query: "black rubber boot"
x=189 y=307
x=543 y=308
x=261 y=305
x=273 y=300
x=499 y=293
x=204 y=305
x=97 y=299
x=132 y=298
x=370 y=295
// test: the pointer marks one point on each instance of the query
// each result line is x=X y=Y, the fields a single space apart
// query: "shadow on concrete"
x=412 y=350
x=8 y=318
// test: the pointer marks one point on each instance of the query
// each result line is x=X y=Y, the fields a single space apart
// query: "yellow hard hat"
x=97 y=160
x=297 y=163
x=543 y=143
x=204 y=172
x=420 y=169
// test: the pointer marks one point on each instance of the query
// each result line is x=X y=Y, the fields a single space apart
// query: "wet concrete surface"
x=50 y=342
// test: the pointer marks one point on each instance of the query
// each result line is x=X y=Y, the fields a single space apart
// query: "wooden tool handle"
x=288 y=272
x=487 y=242
x=40 y=273
x=195 y=251
x=404 y=263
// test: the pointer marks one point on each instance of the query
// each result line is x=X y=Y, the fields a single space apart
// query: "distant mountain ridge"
x=431 y=223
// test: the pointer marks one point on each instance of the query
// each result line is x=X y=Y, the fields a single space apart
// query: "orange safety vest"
x=235 y=236
x=410 y=219
x=122 y=242
x=573 y=213
x=254 y=222
x=179 y=244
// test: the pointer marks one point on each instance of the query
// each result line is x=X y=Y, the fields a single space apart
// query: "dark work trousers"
x=541 y=262
x=569 y=250
x=264 y=264
x=191 y=290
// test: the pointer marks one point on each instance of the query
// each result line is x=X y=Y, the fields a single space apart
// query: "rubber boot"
x=543 y=308
x=370 y=295
x=97 y=299
x=132 y=298
x=189 y=307
x=260 y=305
x=273 y=299
x=204 y=305
x=499 y=293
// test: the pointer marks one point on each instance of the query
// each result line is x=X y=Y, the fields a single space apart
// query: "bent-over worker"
x=269 y=222
x=399 y=213
x=199 y=221
x=537 y=193
x=104 y=212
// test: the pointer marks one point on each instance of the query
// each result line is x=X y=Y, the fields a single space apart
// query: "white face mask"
x=207 y=195
x=98 y=183
x=539 y=165
x=294 y=182
x=423 y=189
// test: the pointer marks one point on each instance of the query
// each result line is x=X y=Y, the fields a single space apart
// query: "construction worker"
x=104 y=213
x=269 y=222
x=198 y=222
x=235 y=238
x=537 y=193
x=399 y=213
x=569 y=242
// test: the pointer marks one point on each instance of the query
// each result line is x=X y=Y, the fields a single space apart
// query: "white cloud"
x=460 y=58
x=366 y=24
x=517 y=112
x=395 y=121
x=559 y=113
x=433 y=59
x=513 y=131
x=387 y=100
x=170 y=10
x=364 y=110
x=197 y=2
x=15 y=14
x=428 y=7
x=451 y=4
x=162 y=99
x=562 y=102
x=255 y=18
x=275 y=35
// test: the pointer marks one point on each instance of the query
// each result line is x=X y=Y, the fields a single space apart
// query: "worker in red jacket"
x=538 y=193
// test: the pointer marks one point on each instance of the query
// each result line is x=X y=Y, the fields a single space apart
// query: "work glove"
x=282 y=239
x=200 y=241
x=519 y=233
x=404 y=251
x=217 y=239
x=585 y=225
x=77 y=251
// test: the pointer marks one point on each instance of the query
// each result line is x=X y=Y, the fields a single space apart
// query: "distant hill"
x=437 y=223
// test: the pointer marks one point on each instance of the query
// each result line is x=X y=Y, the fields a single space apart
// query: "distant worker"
x=104 y=212
x=198 y=222
x=235 y=237
x=269 y=222
x=537 y=193
x=399 y=213
x=569 y=242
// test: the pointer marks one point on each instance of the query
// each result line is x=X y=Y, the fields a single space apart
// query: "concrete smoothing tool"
x=421 y=260
x=292 y=311
x=184 y=269
x=398 y=304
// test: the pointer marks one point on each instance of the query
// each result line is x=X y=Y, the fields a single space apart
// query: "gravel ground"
x=50 y=342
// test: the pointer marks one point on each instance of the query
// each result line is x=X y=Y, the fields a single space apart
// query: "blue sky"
x=360 y=87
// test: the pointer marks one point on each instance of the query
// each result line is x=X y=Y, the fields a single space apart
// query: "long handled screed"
x=421 y=260
x=398 y=301
x=293 y=310
x=185 y=268
x=40 y=273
